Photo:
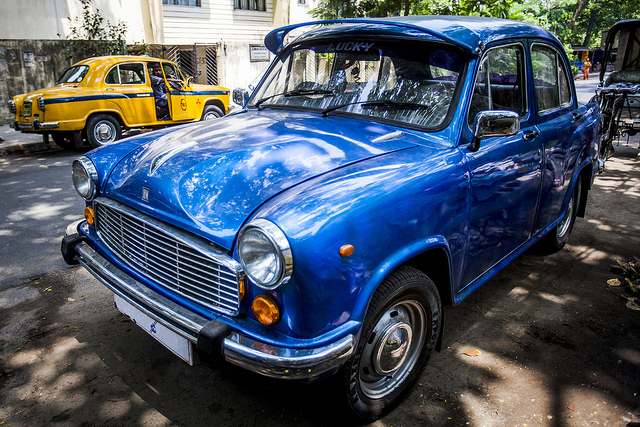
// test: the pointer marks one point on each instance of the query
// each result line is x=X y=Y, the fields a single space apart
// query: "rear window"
x=73 y=74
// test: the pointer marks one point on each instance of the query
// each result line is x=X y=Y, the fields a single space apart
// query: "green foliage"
x=93 y=35
x=590 y=17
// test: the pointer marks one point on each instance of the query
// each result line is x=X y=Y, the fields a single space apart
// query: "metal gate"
x=198 y=60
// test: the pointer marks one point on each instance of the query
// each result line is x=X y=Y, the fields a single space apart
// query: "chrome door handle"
x=530 y=135
x=576 y=116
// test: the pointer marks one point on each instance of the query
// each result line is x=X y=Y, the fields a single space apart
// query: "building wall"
x=27 y=65
x=48 y=19
x=216 y=21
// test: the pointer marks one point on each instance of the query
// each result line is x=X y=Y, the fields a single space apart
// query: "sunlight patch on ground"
x=38 y=211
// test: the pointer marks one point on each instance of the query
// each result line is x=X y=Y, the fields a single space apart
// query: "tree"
x=93 y=35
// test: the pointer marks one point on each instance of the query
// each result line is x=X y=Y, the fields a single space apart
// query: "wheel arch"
x=431 y=256
x=217 y=103
x=115 y=114
x=584 y=175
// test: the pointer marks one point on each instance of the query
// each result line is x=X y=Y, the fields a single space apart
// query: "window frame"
x=525 y=80
x=259 y=5
x=560 y=60
x=166 y=3
x=144 y=75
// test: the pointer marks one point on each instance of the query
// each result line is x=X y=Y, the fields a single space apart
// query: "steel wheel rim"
x=210 y=116
x=104 y=132
x=392 y=349
x=563 y=227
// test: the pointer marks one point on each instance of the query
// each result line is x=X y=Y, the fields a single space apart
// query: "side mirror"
x=240 y=96
x=493 y=123
x=190 y=80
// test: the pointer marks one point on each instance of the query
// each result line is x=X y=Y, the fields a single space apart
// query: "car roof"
x=117 y=58
x=471 y=33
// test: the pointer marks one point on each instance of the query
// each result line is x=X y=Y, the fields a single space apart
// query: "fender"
x=395 y=260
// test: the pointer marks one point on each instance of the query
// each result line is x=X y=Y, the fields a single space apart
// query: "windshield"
x=410 y=82
x=73 y=74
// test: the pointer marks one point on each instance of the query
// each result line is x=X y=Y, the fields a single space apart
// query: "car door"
x=180 y=100
x=505 y=172
x=554 y=106
x=126 y=86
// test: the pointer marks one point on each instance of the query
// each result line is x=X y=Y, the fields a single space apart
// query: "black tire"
x=103 y=129
x=64 y=140
x=558 y=236
x=211 y=112
x=400 y=330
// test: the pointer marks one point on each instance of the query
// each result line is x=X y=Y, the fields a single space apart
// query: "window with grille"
x=250 y=4
x=182 y=2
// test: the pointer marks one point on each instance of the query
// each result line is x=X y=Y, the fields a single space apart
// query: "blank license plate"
x=177 y=344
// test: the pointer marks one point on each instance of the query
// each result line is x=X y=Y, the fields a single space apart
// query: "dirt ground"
x=556 y=347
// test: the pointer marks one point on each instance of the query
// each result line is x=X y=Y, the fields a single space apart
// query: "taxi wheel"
x=400 y=330
x=63 y=140
x=103 y=129
x=211 y=112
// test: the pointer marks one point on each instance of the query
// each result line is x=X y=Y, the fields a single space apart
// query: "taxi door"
x=126 y=86
x=180 y=97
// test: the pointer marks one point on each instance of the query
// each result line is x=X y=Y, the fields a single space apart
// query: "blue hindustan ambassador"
x=382 y=168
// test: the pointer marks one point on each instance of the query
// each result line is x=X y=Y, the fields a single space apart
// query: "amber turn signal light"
x=88 y=215
x=346 y=250
x=265 y=309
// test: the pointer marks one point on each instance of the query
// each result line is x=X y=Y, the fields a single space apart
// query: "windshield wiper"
x=297 y=92
x=379 y=103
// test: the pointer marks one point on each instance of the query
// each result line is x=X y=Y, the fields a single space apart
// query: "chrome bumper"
x=36 y=125
x=256 y=356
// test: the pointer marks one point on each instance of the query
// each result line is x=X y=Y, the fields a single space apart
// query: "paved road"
x=38 y=201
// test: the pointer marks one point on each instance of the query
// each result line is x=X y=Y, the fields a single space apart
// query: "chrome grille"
x=170 y=258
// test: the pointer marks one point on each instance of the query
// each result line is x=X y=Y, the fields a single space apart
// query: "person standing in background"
x=586 y=66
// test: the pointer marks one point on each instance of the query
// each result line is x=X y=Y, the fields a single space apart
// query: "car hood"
x=210 y=177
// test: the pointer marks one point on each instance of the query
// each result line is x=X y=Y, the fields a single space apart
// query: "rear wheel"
x=103 y=129
x=211 y=112
x=557 y=238
x=400 y=331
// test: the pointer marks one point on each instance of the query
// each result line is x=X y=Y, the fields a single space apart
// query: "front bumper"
x=236 y=348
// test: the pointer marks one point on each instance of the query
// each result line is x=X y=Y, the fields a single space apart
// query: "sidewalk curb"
x=25 y=147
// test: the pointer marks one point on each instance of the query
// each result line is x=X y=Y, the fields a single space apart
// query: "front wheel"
x=103 y=129
x=211 y=112
x=399 y=332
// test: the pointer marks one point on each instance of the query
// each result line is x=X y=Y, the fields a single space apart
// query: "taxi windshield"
x=400 y=81
x=73 y=74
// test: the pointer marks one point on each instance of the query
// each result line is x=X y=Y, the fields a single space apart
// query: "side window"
x=170 y=72
x=113 y=78
x=550 y=78
x=500 y=84
x=126 y=74
x=132 y=74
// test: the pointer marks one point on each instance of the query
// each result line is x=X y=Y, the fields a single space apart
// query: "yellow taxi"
x=97 y=98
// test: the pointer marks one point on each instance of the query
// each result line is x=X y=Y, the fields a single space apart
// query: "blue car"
x=381 y=169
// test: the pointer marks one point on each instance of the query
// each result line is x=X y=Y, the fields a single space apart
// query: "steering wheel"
x=175 y=85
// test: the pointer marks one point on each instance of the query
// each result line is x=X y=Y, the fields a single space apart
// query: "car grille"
x=169 y=258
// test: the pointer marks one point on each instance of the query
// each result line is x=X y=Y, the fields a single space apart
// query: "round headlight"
x=85 y=178
x=265 y=254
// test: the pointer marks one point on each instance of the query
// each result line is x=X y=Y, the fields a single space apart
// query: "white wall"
x=45 y=19
x=214 y=21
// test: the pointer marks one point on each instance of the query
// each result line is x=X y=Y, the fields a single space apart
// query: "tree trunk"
x=407 y=7
x=581 y=5
x=587 y=36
